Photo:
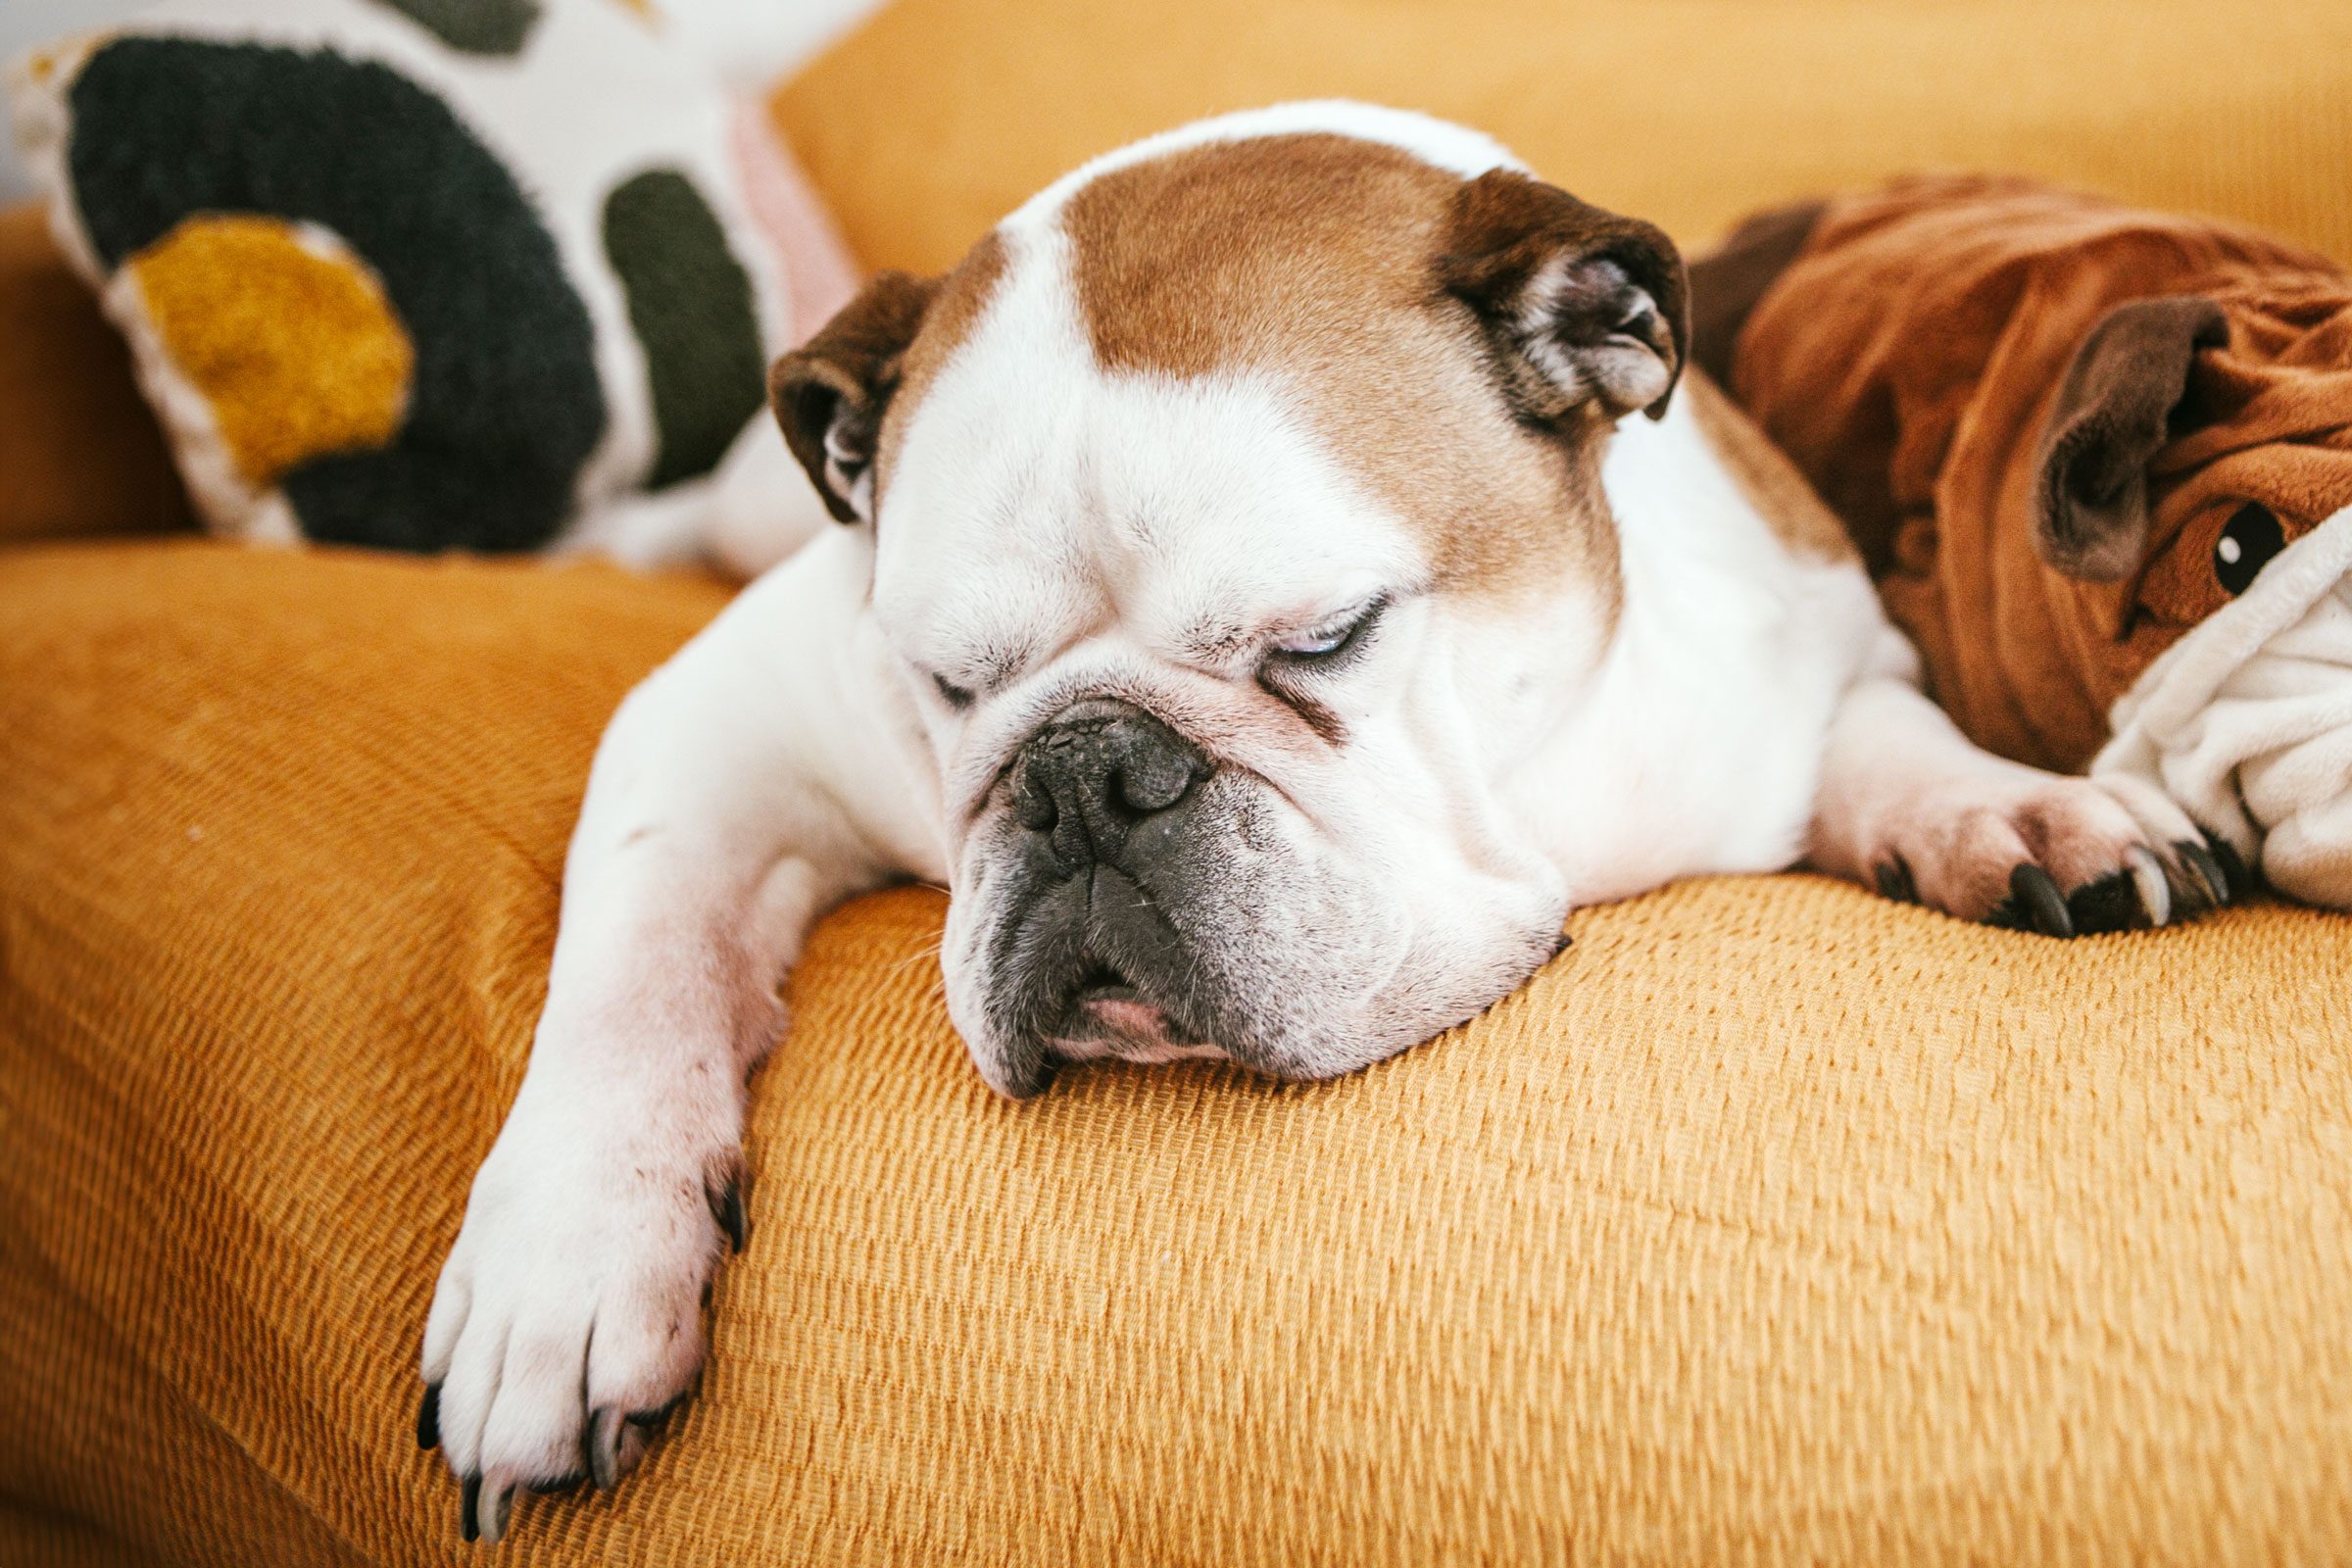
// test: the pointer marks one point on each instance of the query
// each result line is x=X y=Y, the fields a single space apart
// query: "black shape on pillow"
x=476 y=27
x=691 y=305
x=505 y=408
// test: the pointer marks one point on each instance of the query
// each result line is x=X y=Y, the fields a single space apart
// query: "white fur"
x=1054 y=531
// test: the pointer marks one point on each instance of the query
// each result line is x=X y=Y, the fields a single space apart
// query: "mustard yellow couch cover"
x=1771 y=1221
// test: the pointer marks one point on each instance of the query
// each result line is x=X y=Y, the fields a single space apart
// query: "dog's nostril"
x=1034 y=805
x=1153 y=782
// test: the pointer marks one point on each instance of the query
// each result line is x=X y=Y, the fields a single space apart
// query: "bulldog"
x=1280 y=580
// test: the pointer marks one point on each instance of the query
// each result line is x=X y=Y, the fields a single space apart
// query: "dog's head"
x=1240 y=530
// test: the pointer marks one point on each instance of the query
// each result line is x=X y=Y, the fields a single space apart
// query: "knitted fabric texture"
x=1770 y=1217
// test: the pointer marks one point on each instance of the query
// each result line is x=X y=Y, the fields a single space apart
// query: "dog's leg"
x=719 y=821
x=1910 y=805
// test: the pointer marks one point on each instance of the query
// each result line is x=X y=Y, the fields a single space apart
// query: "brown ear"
x=1728 y=284
x=2114 y=413
x=831 y=393
x=1582 y=306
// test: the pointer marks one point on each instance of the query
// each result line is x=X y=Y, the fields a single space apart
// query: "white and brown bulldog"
x=1281 y=582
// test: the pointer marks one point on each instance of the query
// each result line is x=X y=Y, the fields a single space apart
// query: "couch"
x=1770 y=1221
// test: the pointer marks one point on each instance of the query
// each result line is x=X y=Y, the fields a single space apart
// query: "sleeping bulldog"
x=1279 y=578
x=2100 y=462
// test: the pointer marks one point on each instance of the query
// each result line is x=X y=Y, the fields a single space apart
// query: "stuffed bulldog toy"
x=2100 y=462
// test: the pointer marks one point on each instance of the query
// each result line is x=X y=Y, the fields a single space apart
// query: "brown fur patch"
x=1767 y=476
x=960 y=298
x=1314 y=258
x=874 y=358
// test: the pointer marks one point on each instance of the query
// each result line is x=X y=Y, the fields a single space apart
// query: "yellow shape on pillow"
x=287 y=335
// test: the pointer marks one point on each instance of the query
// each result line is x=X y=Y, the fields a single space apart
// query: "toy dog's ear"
x=1728 y=282
x=2114 y=413
x=831 y=393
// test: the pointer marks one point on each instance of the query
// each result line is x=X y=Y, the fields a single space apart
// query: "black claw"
x=659 y=1414
x=604 y=1449
x=470 y=1509
x=561 y=1483
x=1563 y=945
x=2112 y=903
x=2235 y=870
x=726 y=1207
x=2036 y=895
x=2208 y=868
x=1894 y=881
x=429 y=1418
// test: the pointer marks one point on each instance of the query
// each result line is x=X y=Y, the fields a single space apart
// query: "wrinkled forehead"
x=1037 y=492
x=1221 y=355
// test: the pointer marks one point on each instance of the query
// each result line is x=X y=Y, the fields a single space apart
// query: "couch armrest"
x=79 y=452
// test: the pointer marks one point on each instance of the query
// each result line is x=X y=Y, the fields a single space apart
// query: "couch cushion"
x=1770 y=1217
x=942 y=115
x=79 y=452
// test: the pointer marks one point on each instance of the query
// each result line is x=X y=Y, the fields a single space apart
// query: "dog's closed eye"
x=1331 y=642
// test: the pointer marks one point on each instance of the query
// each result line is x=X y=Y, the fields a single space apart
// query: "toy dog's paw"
x=2012 y=846
x=567 y=1321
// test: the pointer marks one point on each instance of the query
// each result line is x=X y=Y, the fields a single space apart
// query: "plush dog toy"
x=2099 y=463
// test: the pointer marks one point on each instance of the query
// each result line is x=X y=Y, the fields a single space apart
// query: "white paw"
x=2013 y=846
x=567 y=1320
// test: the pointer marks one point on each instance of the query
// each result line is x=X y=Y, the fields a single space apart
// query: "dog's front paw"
x=567 y=1321
x=2013 y=846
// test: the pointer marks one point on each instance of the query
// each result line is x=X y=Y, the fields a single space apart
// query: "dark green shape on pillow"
x=691 y=305
x=476 y=27
x=505 y=407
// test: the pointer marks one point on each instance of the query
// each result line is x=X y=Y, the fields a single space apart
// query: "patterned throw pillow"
x=425 y=274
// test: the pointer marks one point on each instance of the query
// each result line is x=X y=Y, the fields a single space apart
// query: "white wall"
x=26 y=23
x=748 y=42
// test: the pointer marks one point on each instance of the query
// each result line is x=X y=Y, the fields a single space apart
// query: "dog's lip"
x=1100 y=987
x=1106 y=1005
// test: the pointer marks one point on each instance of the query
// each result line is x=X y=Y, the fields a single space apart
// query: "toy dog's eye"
x=2247 y=543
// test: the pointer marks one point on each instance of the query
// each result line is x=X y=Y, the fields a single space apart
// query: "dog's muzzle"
x=1108 y=798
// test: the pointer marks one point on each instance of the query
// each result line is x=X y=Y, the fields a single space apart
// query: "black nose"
x=1096 y=770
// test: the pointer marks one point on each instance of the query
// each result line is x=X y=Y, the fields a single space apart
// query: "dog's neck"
x=1667 y=761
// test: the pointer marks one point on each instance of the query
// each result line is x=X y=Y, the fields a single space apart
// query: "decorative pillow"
x=430 y=274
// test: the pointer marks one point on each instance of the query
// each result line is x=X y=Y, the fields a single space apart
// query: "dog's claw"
x=2237 y=876
x=2117 y=902
x=429 y=1418
x=726 y=1207
x=653 y=1419
x=2156 y=898
x=2201 y=860
x=2038 y=899
x=1894 y=881
x=604 y=1449
x=492 y=1514
x=469 y=1505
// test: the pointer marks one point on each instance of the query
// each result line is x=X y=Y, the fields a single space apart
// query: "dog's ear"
x=1728 y=282
x=831 y=393
x=1581 y=306
x=2114 y=409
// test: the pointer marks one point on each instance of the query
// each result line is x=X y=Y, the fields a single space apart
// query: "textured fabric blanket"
x=2062 y=431
x=1771 y=1222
